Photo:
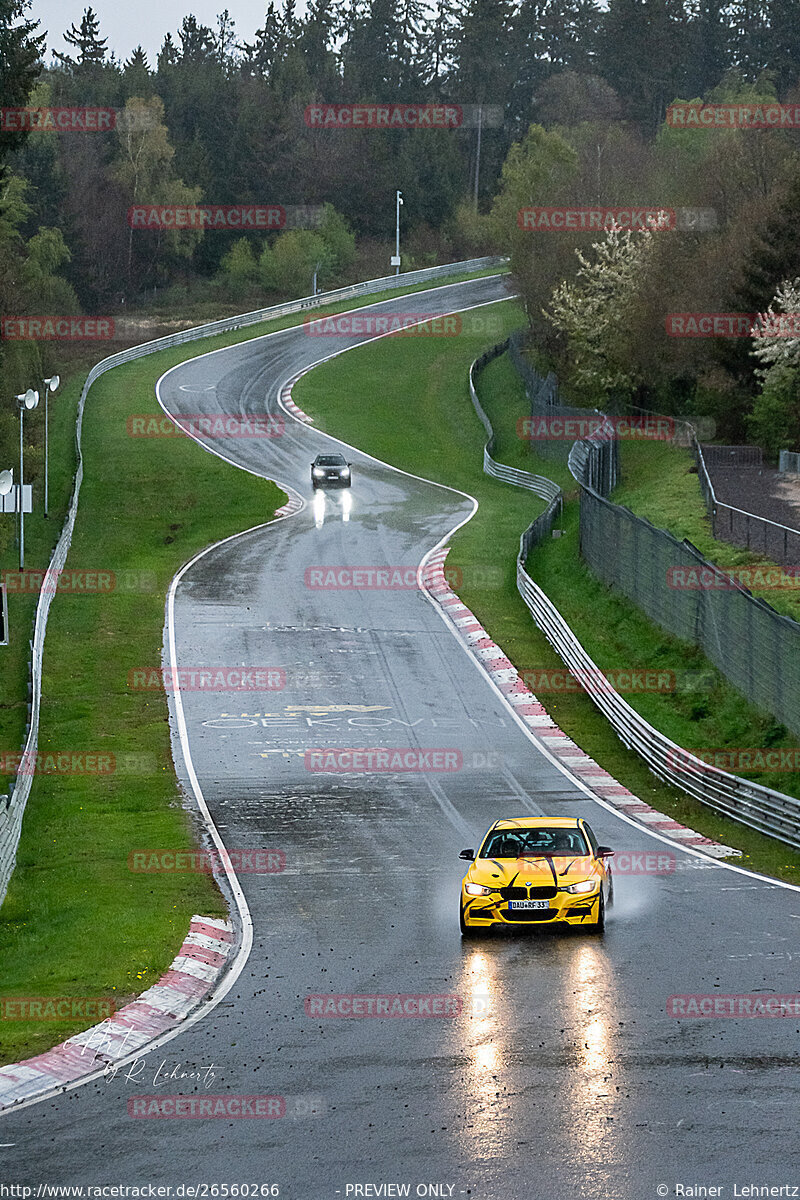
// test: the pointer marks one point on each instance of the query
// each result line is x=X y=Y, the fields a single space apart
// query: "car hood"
x=501 y=872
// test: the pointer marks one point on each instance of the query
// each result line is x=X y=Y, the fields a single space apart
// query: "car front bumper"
x=483 y=911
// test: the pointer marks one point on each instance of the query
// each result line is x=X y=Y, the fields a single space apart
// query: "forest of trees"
x=582 y=92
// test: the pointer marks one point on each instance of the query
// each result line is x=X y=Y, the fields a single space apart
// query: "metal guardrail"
x=12 y=814
x=789 y=462
x=751 y=804
x=539 y=484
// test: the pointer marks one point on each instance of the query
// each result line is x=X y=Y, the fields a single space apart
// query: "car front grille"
x=534 y=893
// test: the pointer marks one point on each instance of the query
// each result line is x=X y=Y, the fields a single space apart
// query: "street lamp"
x=50 y=385
x=6 y=482
x=396 y=259
x=27 y=401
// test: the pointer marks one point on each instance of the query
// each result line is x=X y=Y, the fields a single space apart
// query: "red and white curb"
x=193 y=974
x=504 y=675
x=294 y=504
x=288 y=403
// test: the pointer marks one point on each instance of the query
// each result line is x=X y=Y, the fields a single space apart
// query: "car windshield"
x=518 y=843
x=330 y=460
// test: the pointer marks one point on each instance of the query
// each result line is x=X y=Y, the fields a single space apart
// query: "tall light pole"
x=478 y=155
x=50 y=385
x=27 y=401
x=400 y=201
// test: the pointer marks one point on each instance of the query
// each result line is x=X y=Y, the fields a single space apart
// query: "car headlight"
x=318 y=471
x=477 y=889
x=345 y=470
x=586 y=885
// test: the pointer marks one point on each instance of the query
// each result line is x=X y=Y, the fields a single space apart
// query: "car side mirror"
x=605 y=852
x=468 y=854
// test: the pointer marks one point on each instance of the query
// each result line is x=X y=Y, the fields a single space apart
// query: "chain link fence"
x=756 y=648
x=789 y=463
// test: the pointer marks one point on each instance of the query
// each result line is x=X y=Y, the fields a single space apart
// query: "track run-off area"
x=562 y=1074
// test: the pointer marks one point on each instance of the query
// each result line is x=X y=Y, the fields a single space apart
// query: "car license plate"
x=518 y=905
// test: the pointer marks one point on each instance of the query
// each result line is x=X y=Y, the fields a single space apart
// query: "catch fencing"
x=743 y=636
x=749 y=457
x=789 y=463
x=546 y=402
x=747 y=530
x=13 y=807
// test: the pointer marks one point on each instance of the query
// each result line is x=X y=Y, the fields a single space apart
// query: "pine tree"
x=168 y=54
x=783 y=43
x=262 y=55
x=87 y=41
x=711 y=49
x=225 y=39
x=643 y=52
x=484 y=62
x=197 y=42
x=749 y=36
x=20 y=52
x=136 y=74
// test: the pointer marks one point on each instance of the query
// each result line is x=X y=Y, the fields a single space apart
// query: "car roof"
x=331 y=454
x=537 y=823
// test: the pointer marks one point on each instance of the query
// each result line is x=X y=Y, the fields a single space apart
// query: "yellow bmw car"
x=537 y=870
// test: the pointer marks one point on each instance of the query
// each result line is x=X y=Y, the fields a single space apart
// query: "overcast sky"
x=146 y=21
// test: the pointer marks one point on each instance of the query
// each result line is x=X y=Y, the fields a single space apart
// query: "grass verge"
x=417 y=415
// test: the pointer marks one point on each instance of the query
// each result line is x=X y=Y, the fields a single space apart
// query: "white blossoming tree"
x=594 y=310
x=775 y=420
x=774 y=345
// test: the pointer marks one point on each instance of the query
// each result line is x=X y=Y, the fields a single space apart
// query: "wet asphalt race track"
x=563 y=1077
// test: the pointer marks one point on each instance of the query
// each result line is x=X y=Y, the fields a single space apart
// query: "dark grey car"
x=330 y=471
